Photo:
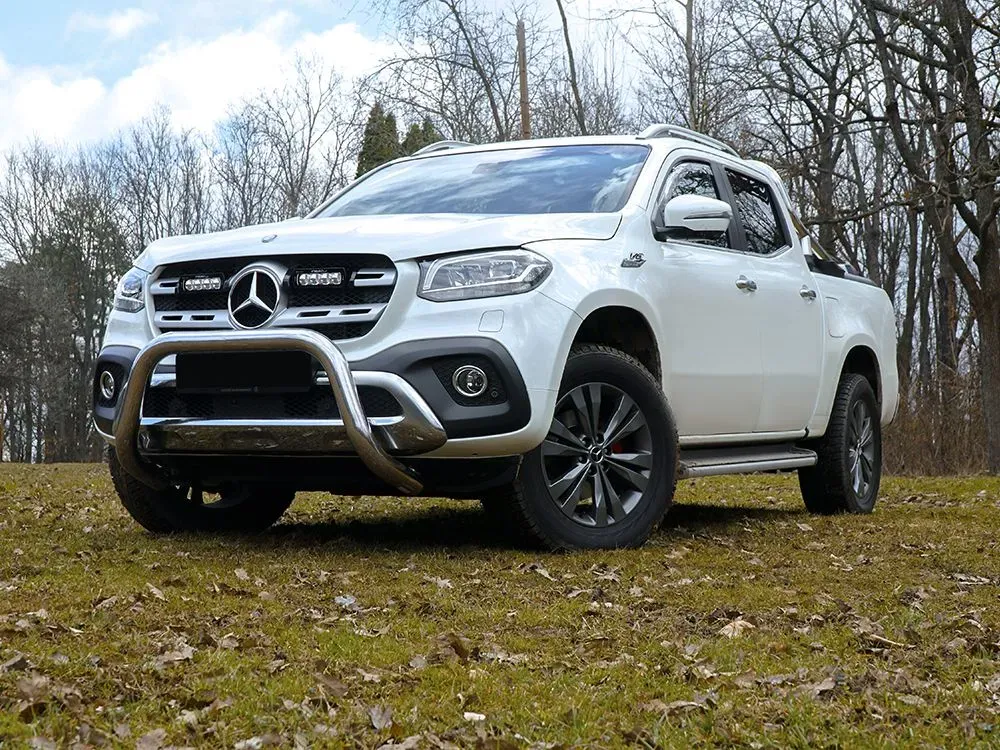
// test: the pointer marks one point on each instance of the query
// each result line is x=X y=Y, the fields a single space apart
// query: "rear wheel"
x=849 y=471
x=605 y=474
x=238 y=507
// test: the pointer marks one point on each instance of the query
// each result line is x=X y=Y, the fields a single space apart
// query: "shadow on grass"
x=702 y=517
x=409 y=530
x=470 y=529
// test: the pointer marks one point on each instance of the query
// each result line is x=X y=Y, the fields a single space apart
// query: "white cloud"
x=116 y=26
x=196 y=80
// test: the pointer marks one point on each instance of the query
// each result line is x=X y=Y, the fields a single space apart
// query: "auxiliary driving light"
x=203 y=284
x=107 y=385
x=470 y=381
x=320 y=278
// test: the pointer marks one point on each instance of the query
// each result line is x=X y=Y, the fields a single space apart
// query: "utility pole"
x=522 y=67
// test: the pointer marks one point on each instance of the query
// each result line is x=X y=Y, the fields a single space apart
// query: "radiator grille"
x=349 y=310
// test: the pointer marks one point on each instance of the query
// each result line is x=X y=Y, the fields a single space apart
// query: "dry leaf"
x=331 y=686
x=819 y=689
x=381 y=716
x=156 y=592
x=735 y=628
x=18 y=664
x=152 y=740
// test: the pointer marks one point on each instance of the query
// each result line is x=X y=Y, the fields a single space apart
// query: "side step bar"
x=706 y=462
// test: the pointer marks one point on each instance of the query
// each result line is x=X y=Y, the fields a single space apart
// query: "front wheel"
x=847 y=476
x=605 y=474
x=235 y=508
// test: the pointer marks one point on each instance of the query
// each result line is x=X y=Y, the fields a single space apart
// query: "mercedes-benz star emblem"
x=253 y=298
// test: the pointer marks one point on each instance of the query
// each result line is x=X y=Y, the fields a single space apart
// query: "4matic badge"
x=634 y=260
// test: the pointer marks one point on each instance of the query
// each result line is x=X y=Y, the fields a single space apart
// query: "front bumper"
x=136 y=438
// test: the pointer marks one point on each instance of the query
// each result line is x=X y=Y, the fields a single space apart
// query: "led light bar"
x=320 y=278
x=203 y=284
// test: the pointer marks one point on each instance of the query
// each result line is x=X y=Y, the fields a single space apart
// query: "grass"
x=363 y=622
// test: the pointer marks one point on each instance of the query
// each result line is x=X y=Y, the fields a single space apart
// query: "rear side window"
x=759 y=213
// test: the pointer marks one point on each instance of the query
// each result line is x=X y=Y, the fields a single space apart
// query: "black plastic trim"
x=123 y=357
x=413 y=361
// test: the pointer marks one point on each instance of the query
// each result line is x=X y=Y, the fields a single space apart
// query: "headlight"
x=488 y=274
x=130 y=296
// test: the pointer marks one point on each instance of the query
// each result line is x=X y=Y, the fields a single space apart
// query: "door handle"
x=748 y=285
x=807 y=294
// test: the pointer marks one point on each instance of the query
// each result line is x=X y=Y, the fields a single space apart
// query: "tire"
x=240 y=508
x=846 y=479
x=608 y=501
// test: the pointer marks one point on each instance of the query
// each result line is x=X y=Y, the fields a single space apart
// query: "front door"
x=712 y=372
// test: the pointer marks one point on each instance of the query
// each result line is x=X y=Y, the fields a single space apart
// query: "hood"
x=400 y=237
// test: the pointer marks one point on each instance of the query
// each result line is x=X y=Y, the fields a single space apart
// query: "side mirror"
x=686 y=217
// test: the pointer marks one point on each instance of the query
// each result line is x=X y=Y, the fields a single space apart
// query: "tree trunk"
x=989 y=374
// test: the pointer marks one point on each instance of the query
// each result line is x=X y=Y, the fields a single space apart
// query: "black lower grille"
x=316 y=403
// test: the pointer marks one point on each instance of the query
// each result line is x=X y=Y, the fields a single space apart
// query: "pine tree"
x=419 y=136
x=380 y=142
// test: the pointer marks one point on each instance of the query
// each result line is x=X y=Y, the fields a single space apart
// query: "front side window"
x=758 y=212
x=539 y=180
x=694 y=178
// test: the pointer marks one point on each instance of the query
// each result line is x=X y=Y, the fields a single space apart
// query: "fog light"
x=107 y=385
x=470 y=381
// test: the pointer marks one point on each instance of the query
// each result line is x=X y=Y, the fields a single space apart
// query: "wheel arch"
x=861 y=359
x=623 y=327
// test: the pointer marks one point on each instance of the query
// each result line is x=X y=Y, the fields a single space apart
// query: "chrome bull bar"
x=353 y=423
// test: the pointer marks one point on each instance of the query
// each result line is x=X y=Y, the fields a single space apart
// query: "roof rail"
x=661 y=130
x=441 y=146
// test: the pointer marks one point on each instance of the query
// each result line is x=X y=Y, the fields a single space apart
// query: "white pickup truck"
x=559 y=328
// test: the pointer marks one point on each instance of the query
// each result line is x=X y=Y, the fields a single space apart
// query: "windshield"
x=558 y=179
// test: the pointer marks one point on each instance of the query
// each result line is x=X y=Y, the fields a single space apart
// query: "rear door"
x=713 y=373
x=789 y=307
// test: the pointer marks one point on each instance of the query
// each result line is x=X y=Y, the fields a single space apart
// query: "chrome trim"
x=387 y=277
x=293 y=316
x=418 y=424
x=217 y=319
x=164 y=286
x=441 y=146
x=743 y=459
x=746 y=467
x=663 y=130
x=266 y=270
x=109 y=439
x=288 y=318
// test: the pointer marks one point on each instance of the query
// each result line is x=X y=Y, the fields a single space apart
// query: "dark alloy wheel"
x=861 y=448
x=847 y=476
x=598 y=457
x=240 y=507
x=605 y=474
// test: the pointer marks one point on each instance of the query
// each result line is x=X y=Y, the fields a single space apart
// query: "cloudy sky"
x=77 y=70
x=73 y=70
